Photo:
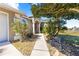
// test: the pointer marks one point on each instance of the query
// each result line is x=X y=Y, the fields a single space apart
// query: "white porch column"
x=33 y=24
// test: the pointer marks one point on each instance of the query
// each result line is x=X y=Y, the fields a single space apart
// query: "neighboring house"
x=7 y=16
x=75 y=29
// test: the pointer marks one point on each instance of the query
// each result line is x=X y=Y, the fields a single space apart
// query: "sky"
x=25 y=7
x=72 y=23
x=14 y=5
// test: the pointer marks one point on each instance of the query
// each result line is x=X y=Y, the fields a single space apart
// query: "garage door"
x=3 y=28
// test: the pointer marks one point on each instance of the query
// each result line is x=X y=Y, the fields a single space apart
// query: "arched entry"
x=37 y=27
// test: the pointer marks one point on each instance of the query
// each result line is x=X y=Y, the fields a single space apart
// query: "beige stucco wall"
x=11 y=17
x=30 y=28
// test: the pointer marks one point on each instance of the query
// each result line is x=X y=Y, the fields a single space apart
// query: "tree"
x=16 y=26
x=19 y=28
x=52 y=27
x=23 y=30
x=56 y=10
x=44 y=28
x=64 y=28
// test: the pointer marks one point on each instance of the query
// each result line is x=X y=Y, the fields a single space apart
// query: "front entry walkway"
x=9 y=50
x=40 y=48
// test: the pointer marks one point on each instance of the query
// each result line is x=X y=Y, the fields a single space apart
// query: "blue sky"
x=25 y=7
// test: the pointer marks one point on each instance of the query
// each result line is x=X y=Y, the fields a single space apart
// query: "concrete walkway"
x=40 y=48
x=9 y=50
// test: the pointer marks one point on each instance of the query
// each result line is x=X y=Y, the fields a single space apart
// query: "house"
x=7 y=16
x=36 y=25
x=75 y=29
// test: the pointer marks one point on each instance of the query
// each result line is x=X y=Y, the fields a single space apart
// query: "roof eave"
x=7 y=7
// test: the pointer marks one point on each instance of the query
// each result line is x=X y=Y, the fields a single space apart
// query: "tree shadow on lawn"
x=66 y=44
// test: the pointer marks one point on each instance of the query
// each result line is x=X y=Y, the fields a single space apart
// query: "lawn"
x=25 y=47
x=72 y=33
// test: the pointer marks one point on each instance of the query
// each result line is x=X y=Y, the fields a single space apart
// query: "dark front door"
x=36 y=27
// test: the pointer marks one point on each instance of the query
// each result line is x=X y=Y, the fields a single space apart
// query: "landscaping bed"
x=68 y=45
x=53 y=50
x=25 y=47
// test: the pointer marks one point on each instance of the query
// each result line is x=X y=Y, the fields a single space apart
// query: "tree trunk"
x=58 y=27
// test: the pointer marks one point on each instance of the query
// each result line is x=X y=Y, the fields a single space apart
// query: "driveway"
x=7 y=49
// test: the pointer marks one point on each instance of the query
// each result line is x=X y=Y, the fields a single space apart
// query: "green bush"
x=44 y=30
x=18 y=27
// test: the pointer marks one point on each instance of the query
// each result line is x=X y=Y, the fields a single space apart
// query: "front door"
x=36 y=27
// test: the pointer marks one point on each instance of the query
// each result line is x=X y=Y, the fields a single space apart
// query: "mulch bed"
x=25 y=47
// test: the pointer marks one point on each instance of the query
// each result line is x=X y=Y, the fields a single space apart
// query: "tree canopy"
x=56 y=10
